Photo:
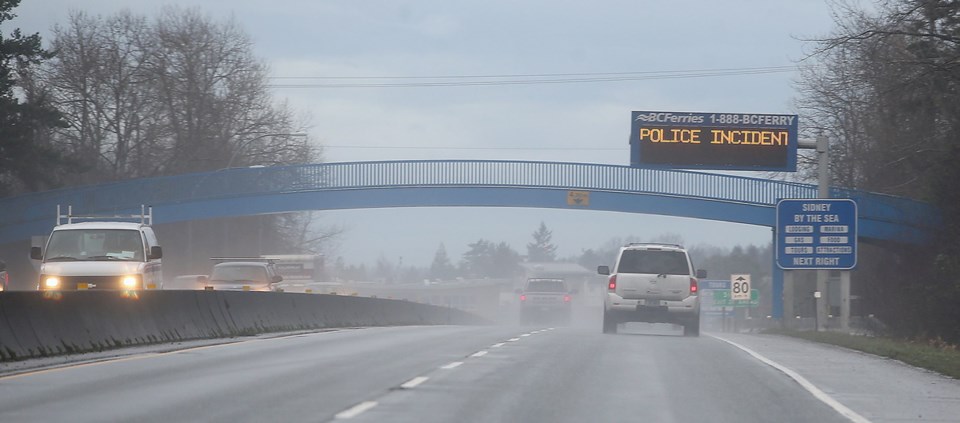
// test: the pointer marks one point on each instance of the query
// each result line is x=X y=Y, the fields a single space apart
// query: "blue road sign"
x=817 y=234
x=725 y=141
x=723 y=284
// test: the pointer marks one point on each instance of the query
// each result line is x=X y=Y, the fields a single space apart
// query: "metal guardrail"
x=450 y=173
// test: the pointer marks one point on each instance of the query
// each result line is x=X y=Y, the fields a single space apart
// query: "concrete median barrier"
x=38 y=324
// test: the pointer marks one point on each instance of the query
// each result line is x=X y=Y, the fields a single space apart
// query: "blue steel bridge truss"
x=463 y=183
x=466 y=183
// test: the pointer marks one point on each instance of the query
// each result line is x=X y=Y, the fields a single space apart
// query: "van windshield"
x=656 y=262
x=95 y=245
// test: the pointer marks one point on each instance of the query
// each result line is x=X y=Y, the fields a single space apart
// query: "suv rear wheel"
x=692 y=328
x=609 y=323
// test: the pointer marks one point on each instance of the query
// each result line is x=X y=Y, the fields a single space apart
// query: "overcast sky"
x=580 y=122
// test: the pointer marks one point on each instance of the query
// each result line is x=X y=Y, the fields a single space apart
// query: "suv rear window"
x=546 y=286
x=656 y=262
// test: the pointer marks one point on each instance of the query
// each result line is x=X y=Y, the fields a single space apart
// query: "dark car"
x=545 y=301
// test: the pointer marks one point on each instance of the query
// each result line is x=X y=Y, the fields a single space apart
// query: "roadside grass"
x=934 y=355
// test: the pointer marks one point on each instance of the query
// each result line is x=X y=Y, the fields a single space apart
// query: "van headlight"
x=129 y=282
x=51 y=282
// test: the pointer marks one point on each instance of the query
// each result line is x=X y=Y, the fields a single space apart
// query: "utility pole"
x=823 y=191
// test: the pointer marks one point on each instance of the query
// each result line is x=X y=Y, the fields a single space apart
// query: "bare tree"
x=180 y=94
x=177 y=93
x=885 y=86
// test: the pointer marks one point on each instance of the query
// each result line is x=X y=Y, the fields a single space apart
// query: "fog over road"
x=480 y=374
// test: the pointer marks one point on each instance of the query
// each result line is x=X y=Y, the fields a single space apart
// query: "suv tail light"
x=566 y=298
x=613 y=283
x=523 y=298
x=693 y=286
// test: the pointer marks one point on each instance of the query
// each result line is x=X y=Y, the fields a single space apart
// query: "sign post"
x=818 y=234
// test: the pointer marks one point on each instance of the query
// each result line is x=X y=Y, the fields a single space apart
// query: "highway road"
x=447 y=374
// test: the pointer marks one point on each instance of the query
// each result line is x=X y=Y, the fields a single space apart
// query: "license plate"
x=652 y=303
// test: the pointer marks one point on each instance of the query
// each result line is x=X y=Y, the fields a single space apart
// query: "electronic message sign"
x=721 y=141
x=817 y=233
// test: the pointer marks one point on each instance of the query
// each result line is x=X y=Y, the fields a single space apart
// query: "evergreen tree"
x=485 y=259
x=442 y=268
x=542 y=249
x=27 y=161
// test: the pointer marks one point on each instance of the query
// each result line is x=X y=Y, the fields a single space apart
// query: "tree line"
x=883 y=87
x=128 y=96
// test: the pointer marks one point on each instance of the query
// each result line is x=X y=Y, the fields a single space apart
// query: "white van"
x=101 y=255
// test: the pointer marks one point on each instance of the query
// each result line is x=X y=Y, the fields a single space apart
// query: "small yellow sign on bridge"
x=578 y=198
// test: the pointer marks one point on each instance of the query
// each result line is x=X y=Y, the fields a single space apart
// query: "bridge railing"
x=446 y=173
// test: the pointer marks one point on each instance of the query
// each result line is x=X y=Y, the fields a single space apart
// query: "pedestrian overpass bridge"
x=458 y=183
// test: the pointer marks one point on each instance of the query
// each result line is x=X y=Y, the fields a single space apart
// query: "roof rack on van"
x=665 y=244
x=145 y=216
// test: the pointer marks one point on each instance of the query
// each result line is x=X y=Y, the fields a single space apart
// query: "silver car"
x=652 y=283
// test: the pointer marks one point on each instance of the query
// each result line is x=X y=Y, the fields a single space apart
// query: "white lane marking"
x=806 y=384
x=355 y=410
x=453 y=365
x=513 y=339
x=478 y=354
x=497 y=345
x=526 y=334
x=413 y=383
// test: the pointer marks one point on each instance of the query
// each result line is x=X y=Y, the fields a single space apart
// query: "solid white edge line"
x=806 y=384
x=498 y=345
x=413 y=383
x=478 y=354
x=453 y=365
x=355 y=410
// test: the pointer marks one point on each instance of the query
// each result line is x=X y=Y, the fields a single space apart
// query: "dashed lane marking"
x=453 y=365
x=498 y=345
x=355 y=410
x=413 y=383
x=478 y=354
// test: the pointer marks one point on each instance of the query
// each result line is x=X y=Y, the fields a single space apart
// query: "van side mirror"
x=603 y=270
x=701 y=274
x=36 y=253
x=155 y=253
x=276 y=278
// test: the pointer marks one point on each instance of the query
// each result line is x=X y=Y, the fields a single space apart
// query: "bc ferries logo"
x=664 y=117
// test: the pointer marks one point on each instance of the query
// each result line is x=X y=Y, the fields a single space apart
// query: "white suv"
x=652 y=283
